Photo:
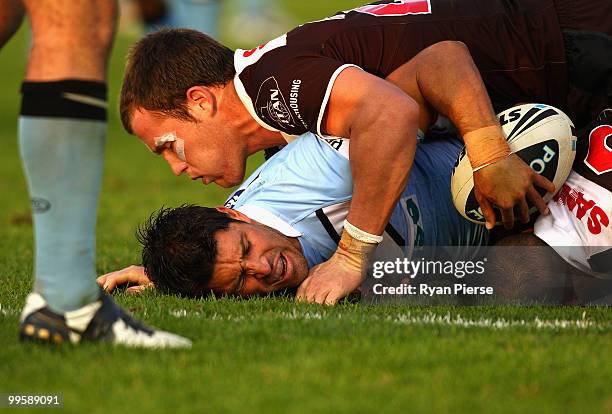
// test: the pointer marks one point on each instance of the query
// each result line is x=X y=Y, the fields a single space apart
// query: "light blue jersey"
x=305 y=191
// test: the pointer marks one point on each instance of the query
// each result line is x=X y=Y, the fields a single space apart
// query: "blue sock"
x=62 y=130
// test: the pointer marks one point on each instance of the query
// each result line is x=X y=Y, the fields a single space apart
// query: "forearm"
x=449 y=80
x=381 y=121
x=381 y=154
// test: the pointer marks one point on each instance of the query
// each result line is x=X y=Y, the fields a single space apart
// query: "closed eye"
x=246 y=247
x=241 y=282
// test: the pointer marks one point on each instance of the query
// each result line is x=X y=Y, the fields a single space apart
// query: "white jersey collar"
x=269 y=219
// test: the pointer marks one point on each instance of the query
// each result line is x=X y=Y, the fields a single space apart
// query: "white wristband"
x=360 y=235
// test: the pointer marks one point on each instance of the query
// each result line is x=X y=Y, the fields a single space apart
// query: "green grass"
x=271 y=355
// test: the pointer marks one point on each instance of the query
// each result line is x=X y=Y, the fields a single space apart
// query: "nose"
x=177 y=166
x=258 y=268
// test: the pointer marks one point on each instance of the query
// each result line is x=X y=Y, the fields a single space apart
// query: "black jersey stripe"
x=328 y=226
x=395 y=235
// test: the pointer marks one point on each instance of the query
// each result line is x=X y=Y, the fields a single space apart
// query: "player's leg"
x=62 y=132
x=11 y=16
x=592 y=291
x=522 y=268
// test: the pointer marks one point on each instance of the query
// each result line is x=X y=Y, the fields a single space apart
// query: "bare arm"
x=444 y=78
x=11 y=16
x=381 y=122
x=381 y=119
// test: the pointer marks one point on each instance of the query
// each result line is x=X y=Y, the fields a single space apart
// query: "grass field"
x=271 y=355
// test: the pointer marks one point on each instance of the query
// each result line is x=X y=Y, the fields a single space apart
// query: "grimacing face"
x=254 y=259
x=202 y=150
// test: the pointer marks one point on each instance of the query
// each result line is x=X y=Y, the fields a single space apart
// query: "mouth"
x=280 y=270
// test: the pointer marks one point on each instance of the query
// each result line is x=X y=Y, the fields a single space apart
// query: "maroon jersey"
x=517 y=46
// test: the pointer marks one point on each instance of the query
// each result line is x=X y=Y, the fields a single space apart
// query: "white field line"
x=427 y=319
x=4 y=311
x=431 y=319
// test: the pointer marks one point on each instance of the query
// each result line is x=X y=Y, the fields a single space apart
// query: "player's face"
x=253 y=259
x=201 y=150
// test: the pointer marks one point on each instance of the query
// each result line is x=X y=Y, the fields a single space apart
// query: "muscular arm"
x=444 y=78
x=381 y=122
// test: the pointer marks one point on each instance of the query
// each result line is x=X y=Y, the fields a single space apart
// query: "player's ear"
x=237 y=215
x=200 y=99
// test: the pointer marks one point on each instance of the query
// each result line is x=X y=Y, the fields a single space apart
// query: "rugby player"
x=288 y=217
x=62 y=128
x=376 y=74
x=571 y=247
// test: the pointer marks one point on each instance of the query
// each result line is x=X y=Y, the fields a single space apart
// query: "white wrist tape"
x=362 y=236
x=492 y=162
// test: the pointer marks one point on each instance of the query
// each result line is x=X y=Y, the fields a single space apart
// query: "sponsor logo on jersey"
x=294 y=94
x=579 y=206
x=231 y=202
x=335 y=143
x=396 y=8
x=599 y=156
x=244 y=58
x=40 y=205
x=249 y=53
x=415 y=220
x=272 y=106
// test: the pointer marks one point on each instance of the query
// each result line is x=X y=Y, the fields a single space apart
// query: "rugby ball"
x=540 y=135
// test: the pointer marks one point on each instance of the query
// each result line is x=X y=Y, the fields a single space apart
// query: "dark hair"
x=179 y=249
x=162 y=66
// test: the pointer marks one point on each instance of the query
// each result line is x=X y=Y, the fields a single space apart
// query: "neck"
x=258 y=138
